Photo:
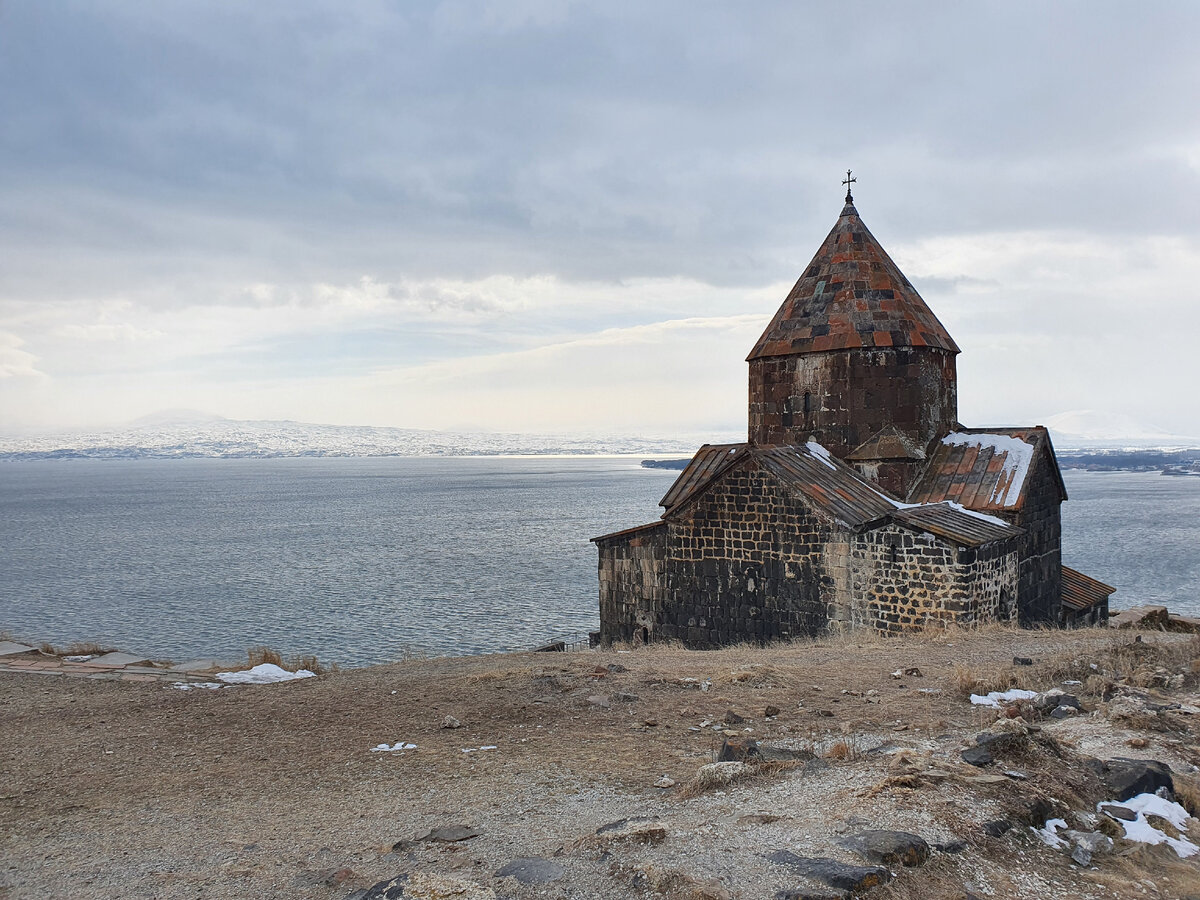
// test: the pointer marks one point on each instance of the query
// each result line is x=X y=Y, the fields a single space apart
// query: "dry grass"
x=76 y=648
x=257 y=656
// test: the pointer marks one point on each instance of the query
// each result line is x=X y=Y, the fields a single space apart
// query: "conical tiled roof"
x=851 y=295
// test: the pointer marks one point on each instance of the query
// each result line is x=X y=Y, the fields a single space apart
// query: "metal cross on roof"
x=847 y=182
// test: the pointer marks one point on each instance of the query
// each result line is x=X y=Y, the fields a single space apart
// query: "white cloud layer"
x=555 y=216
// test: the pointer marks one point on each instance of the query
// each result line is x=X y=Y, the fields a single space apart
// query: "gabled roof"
x=709 y=460
x=962 y=526
x=1080 y=592
x=832 y=488
x=889 y=442
x=851 y=295
x=985 y=469
x=829 y=484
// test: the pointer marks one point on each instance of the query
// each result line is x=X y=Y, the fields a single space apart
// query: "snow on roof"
x=821 y=453
x=1017 y=456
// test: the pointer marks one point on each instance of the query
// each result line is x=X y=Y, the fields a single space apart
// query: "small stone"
x=1022 y=661
x=451 y=722
x=957 y=845
x=635 y=829
x=738 y=749
x=1081 y=855
x=665 y=782
x=838 y=875
x=622 y=697
x=650 y=723
x=888 y=847
x=1118 y=812
x=732 y=718
x=1064 y=712
x=532 y=870
x=978 y=756
x=598 y=700
x=771 y=711
x=997 y=827
x=913 y=672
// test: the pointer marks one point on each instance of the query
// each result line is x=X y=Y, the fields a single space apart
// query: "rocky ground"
x=854 y=765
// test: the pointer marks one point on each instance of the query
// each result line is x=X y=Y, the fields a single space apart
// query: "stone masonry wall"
x=1040 y=588
x=842 y=397
x=744 y=563
x=632 y=583
x=904 y=580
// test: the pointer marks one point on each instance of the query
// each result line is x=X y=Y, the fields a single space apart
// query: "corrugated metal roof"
x=835 y=488
x=705 y=465
x=968 y=468
x=956 y=525
x=851 y=295
x=1080 y=592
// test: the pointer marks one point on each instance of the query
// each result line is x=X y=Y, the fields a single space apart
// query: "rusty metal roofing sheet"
x=958 y=525
x=709 y=461
x=851 y=295
x=1080 y=592
x=837 y=489
x=985 y=469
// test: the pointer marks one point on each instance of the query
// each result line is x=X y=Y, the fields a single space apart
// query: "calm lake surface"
x=363 y=560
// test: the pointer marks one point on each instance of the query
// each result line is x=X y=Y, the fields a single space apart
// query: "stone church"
x=858 y=499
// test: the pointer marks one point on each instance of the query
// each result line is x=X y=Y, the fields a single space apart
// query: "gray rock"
x=997 y=827
x=392 y=889
x=888 y=847
x=1063 y=712
x=451 y=722
x=732 y=718
x=978 y=756
x=1022 y=661
x=623 y=697
x=1087 y=844
x=831 y=873
x=1125 y=778
x=598 y=700
x=956 y=845
x=1118 y=812
x=532 y=870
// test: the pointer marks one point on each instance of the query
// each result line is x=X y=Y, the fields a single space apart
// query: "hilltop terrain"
x=589 y=775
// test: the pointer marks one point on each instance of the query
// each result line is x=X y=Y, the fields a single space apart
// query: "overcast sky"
x=535 y=216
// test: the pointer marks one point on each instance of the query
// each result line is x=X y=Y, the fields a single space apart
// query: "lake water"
x=364 y=560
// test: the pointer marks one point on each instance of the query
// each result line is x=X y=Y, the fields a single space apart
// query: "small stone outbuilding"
x=858 y=499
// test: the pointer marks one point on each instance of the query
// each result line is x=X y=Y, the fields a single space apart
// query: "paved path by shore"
x=115 y=666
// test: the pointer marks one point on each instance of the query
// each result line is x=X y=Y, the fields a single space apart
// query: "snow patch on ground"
x=267 y=673
x=1143 y=832
x=1048 y=833
x=996 y=697
x=386 y=748
x=476 y=749
x=1017 y=457
x=186 y=686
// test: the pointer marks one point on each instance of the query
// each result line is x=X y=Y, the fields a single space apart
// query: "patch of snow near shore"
x=191 y=686
x=1143 y=832
x=399 y=745
x=266 y=673
x=995 y=697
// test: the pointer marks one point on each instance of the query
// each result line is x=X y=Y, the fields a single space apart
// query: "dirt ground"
x=113 y=789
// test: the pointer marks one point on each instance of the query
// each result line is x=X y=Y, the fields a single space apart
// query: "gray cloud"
x=176 y=153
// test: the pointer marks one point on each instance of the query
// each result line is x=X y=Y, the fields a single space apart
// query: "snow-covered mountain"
x=1087 y=429
x=177 y=434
